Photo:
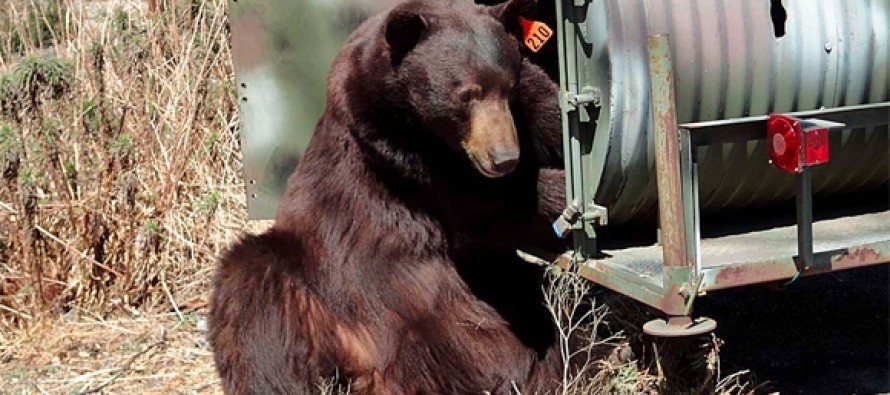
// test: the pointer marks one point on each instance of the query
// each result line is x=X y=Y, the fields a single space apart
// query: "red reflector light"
x=793 y=143
x=815 y=146
x=783 y=142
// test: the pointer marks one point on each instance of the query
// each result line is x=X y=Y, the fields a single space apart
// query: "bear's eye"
x=468 y=93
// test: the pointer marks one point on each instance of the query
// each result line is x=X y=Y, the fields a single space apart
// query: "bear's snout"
x=491 y=142
x=505 y=160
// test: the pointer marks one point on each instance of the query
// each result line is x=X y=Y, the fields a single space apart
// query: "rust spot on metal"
x=859 y=257
x=733 y=274
x=751 y=274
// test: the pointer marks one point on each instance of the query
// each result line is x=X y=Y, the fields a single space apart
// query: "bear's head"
x=455 y=66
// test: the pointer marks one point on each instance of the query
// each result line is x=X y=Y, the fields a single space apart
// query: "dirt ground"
x=826 y=334
x=159 y=354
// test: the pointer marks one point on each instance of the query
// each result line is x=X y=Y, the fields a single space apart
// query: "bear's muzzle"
x=491 y=143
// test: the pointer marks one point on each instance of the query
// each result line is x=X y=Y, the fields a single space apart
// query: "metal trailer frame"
x=670 y=275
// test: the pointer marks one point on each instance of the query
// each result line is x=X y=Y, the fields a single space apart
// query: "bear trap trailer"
x=750 y=83
x=669 y=107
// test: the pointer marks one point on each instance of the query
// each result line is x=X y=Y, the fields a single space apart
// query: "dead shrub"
x=120 y=155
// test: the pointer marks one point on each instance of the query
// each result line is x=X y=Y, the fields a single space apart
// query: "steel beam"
x=667 y=151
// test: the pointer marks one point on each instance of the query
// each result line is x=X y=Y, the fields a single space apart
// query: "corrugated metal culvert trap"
x=731 y=59
x=281 y=52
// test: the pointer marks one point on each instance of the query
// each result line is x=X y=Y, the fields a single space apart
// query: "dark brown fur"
x=388 y=263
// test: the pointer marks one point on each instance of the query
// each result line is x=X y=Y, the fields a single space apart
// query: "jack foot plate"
x=679 y=326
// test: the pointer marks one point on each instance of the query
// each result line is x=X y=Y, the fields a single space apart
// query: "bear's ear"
x=403 y=30
x=510 y=11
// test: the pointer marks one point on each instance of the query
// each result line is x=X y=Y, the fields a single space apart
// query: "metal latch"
x=567 y=220
x=589 y=95
x=595 y=214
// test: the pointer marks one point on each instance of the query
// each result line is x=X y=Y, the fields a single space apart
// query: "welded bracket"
x=804 y=198
x=579 y=102
x=596 y=214
x=588 y=95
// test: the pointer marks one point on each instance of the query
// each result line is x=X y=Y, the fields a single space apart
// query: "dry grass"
x=121 y=183
x=121 y=161
x=604 y=365
x=603 y=334
x=158 y=354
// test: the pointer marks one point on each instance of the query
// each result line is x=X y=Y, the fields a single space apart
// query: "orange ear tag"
x=534 y=34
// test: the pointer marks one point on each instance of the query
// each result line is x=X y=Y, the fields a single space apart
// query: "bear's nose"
x=504 y=161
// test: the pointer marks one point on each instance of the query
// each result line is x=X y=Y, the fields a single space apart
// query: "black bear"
x=431 y=145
